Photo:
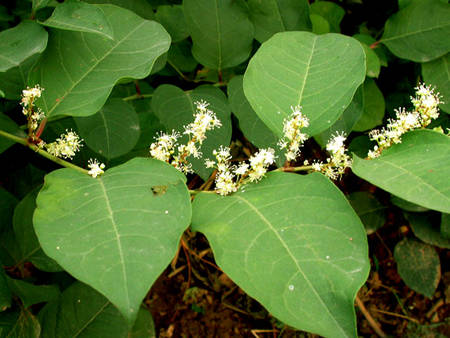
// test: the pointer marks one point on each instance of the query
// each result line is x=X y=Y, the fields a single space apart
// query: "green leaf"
x=78 y=70
x=82 y=311
x=273 y=16
x=347 y=120
x=418 y=265
x=113 y=131
x=249 y=123
x=20 y=325
x=405 y=205
x=373 y=65
x=38 y=4
x=5 y=292
x=445 y=225
x=175 y=109
x=319 y=72
x=319 y=24
x=8 y=125
x=20 y=43
x=31 y=294
x=419 y=32
x=374 y=107
x=172 y=18
x=27 y=244
x=437 y=73
x=370 y=211
x=7 y=206
x=416 y=170
x=113 y=233
x=140 y=7
x=332 y=12
x=181 y=57
x=81 y=17
x=294 y=244
x=220 y=30
x=427 y=230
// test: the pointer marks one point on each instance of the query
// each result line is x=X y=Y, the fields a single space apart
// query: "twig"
x=255 y=332
x=397 y=315
x=434 y=308
x=369 y=318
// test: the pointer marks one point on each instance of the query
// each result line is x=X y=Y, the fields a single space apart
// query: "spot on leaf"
x=159 y=190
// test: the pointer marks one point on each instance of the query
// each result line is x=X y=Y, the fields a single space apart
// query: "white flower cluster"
x=33 y=116
x=65 y=146
x=425 y=104
x=164 y=147
x=293 y=138
x=95 y=168
x=339 y=159
x=230 y=177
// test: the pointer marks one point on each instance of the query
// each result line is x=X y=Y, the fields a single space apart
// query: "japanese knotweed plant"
x=266 y=199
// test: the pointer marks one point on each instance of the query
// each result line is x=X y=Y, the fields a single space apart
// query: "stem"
x=294 y=169
x=178 y=71
x=369 y=318
x=137 y=97
x=42 y=152
x=196 y=192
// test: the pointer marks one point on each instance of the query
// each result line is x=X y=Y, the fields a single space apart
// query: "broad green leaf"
x=405 y=205
x=5 y=292
x=20 y=48
x=437 y=73
x=28 y=248
x=21 y=42
x=427 y=229
x=81 y=311
x=319 y=72
x=78 y=70
x=8 y=125
x=113 y=131
x=175 y=109
x=31 y=294
x=416 y=170
x=332 y=12
x=319 y=24
x=420 y=31
x=346 y=121
x=273 y=16
x=140 y=7
x=20 y=325
x=294 y=244
x=220 y=30
x=379 y=49
x=445 y=225
x=80 y=16
x=418 y=265
x=172 y=18
x=114 y=233
x=374 y=107
x=38 y=4
x=372 y=62
x=180 y=56
x=249 y=123
x=370 y=211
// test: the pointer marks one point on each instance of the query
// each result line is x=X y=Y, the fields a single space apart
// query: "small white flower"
x=65 y=146
x=29 y=94
x=209 y=163
x=241 y=169
x=96 y=168
x=293 y=138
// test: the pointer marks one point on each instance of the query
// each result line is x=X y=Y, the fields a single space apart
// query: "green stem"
x=137 y=97
x=57 y=160
x=196 y=192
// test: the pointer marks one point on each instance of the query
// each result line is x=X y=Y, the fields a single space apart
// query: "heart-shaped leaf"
x=114 y=233
x=78 y=70
x=80 y=16
x=319 y=72
x=420 y=31
x=220 y=30
x=294 y=244
x=273 y=16
x=416 y=170
x=81 y=311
